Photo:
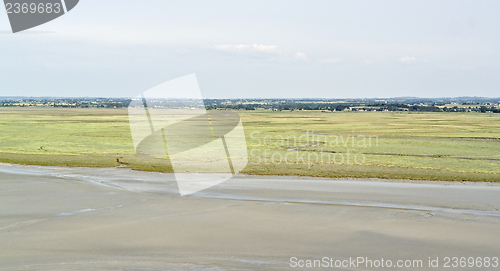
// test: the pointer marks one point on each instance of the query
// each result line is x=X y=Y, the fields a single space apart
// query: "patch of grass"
x=433 y=146
x=367 y=171
x=87 y=160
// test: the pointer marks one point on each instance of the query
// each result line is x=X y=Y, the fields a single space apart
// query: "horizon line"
x=256 y=98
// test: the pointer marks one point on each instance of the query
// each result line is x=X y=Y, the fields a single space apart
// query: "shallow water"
x=480 y=198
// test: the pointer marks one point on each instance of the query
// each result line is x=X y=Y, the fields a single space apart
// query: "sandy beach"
x=118 y=219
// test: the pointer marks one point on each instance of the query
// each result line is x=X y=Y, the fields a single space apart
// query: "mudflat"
x=118 y=219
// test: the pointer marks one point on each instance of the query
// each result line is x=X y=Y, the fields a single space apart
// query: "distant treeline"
x=394 y=104
x=351 y=107
x=65 y=102
x=460 y=104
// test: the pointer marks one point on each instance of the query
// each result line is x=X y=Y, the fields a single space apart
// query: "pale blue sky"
x=250 y=49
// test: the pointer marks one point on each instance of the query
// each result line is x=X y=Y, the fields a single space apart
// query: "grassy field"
x=432 y=146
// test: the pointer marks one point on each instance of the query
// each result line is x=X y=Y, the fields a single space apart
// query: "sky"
x=259 y=49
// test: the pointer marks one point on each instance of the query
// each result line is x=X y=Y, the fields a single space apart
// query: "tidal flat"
x=59 y=218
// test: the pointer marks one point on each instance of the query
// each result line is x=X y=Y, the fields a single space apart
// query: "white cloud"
x=265 y=48
x=407 y=59
x=250 y=48
x=300 y=56
x=332 y=60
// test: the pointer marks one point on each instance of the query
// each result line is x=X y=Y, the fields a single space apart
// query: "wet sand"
x=118 y=219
